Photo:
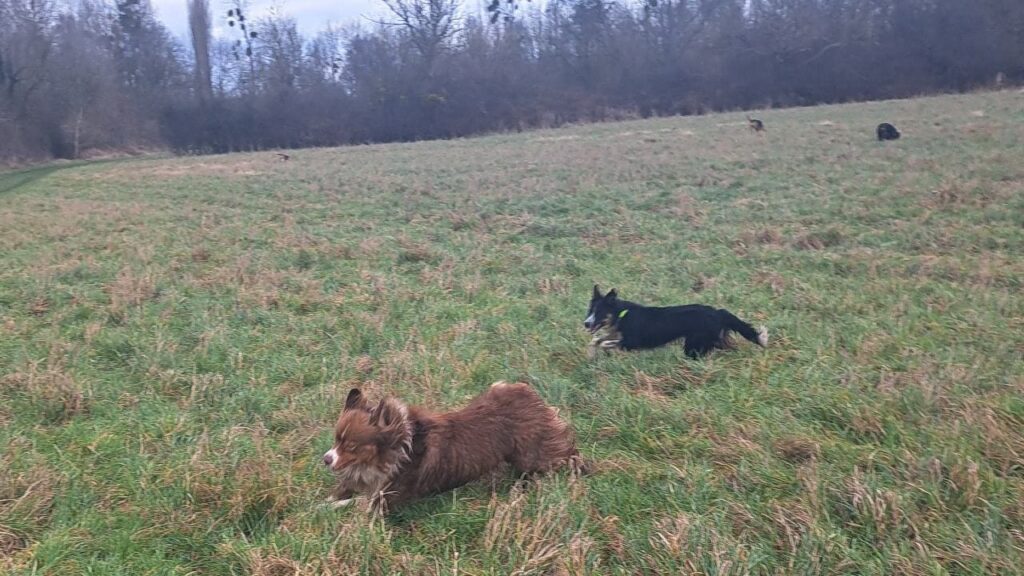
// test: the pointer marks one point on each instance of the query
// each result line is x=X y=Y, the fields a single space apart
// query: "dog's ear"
x=388 y=413
x=597 y=292
x=354 y=399
x=611 y=295
x=390 y=418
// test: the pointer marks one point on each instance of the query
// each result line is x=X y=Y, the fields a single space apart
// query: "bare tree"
x=199 y=29
x=429 y=24
x=237 y=16
x=26 y=43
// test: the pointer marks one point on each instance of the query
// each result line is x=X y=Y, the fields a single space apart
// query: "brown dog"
x=395 y=453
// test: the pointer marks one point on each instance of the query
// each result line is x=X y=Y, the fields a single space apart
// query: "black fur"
x=886 y=131
x=638 y=327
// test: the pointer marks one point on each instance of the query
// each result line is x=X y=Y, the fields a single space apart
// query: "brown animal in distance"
x=755 y=124
x=395 y=453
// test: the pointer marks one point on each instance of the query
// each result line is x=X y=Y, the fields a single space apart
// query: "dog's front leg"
x=340 y=497
x=609 y=345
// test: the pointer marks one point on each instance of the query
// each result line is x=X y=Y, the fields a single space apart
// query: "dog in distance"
x=624 y=325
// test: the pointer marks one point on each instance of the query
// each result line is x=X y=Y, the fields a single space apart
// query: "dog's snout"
x=589 y=322
x=328 y=459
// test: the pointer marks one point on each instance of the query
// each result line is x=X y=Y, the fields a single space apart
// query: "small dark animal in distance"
x=755 y=124
x=631 y=326
x=283 y=157
x=395 y=453
x=886 y=131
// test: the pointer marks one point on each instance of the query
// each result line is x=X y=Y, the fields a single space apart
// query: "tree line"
x=81 y=77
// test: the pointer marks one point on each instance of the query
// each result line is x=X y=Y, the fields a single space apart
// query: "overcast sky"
x=311 y=15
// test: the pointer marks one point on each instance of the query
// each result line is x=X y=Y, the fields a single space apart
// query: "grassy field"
x=177 y=337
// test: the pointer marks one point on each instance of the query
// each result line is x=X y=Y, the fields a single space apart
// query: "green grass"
x=177 y=336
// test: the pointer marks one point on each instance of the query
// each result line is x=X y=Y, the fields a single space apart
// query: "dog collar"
x=623 y=313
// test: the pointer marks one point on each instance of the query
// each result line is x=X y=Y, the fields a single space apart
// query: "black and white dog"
x=629 y=326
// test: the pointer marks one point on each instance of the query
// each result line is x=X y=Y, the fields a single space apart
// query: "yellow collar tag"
x=623 y=313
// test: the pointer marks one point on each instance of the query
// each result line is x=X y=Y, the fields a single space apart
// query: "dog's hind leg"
x=695 y=347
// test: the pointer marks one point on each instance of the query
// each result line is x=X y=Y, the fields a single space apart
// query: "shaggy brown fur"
x=395 y=453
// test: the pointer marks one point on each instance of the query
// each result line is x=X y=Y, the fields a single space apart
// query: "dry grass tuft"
x=867 y=424
x=412 y=251
x=202 y=386
x=522 y=540
x=652 y=387
x=876 y=508
x=10 y=542
x=255 y=488
x=579 y=559
x=28 y=496
x=364 y=364
x=793 y=522
x=553 y=285
x=130 y=290
x=615 y=544
x=762 y=237
x=200 y=254
x=273 y=565
x=966 y=482
x=39 y=306
x=461 y=221
x=369 y=247
x=1000 y=434
x=672 y=534
x=818 y=240
x=256 y=286
x=702 y=283
x=689 y=209
x=53 y=391
x=695 y=546
x=797 y=449
x=773 y=280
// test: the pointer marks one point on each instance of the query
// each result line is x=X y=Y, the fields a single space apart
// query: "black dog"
x=755 y=124
x=631 y=326
x=887 y=131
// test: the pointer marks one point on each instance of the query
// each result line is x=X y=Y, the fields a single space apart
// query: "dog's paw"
x=762 y=336
x=591 y=351
x=335 y=504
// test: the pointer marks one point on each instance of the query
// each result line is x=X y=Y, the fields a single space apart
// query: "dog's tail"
x=758 y=336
